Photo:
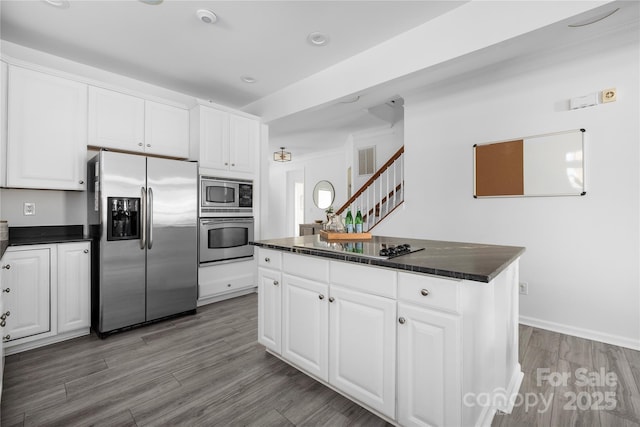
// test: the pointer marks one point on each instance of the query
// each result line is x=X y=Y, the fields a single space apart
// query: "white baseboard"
x=582 y=333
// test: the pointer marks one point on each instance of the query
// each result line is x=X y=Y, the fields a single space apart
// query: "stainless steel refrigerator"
x=142 y=215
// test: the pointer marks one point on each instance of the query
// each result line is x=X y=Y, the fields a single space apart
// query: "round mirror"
x=323 y=194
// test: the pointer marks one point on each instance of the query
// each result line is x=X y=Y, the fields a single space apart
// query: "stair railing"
x=381 y=194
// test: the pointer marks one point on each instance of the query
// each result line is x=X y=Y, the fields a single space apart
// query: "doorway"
x=295 y=201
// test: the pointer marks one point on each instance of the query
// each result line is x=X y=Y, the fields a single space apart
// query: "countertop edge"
x=394 y=265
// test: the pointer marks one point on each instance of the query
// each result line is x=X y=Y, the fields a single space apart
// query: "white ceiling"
x=167 y=44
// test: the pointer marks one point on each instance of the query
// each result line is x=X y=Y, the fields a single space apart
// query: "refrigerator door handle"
x=150 y=213
x=143 y=218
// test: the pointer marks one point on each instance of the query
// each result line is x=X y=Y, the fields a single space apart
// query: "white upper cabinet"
x=166 y=130
x=116 y=120
x=3 y=122
x=223 y=141
x=128 y=123
x=47 y=131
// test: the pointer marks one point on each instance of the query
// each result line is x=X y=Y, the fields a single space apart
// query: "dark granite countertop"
x=469 y=261
x=43 y=235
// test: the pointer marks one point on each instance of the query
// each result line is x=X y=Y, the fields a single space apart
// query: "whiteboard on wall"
x=542 y=165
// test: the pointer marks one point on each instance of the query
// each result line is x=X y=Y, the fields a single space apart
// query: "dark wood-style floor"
x=208 y=369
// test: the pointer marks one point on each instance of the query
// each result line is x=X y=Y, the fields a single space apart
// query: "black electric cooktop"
x=362 y=248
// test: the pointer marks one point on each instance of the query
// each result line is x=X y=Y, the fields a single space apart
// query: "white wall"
x=387 y=141
x=583 y=253
x=52 y=207
x=330 y=166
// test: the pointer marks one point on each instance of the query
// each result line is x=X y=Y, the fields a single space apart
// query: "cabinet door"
x=27 y=274
x=270 y=309
x=243 y=138
x=305 y=314
x=429 y=367
x=47 y=130
x=166 y=130
x=363 y=348
x=3 y=124
x=214 y=139
x=116 y=120
x=74 y=285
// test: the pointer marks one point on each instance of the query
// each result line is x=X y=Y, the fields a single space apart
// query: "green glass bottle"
x=358 y=221
x=348 y=221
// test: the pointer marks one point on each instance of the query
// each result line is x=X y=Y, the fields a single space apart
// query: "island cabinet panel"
x=407 y=346
x=362 y=347
x=270 y=309
x=429 y=366
x=305 y=324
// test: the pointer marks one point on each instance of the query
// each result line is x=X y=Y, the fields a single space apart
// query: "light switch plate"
x=29 y=208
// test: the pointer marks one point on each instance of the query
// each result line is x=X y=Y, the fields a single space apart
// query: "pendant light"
x=282 y=156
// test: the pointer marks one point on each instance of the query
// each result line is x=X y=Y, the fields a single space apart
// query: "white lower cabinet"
x=429 y=367
x=47 y=292
x=362 y=347
x=407 y=346
x=270 y=309
x=305 y=324
x=74 y=291
x=27 y=273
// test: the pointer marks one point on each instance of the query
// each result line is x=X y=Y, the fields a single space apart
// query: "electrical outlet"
x=524 y=288
x=29 y=208
x=609 y=95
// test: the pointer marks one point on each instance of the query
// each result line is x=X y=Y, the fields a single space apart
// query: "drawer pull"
x=267 y=259
x=4 y=316
x=276 y=283
x=86 y=251
x=6 y=337
x=228 y=285
x=424 y=292
x=7 y=267
x=402 y=320
x=331 y=299
x=321 y=296
x=7 y=290
x=3 y=323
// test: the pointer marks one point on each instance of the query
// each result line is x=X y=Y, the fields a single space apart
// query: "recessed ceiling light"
x=206 y=16
x=62 y=4
x=248 y=79
x=594 y=19
x=317 y=39
x=151 y=2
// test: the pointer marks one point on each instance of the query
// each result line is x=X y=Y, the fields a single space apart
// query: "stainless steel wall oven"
x=224 y=239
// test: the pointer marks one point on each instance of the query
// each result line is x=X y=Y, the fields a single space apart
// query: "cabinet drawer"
x=223 y=286
x=309 y=267
x=429 y=291
x=372 y=280
x=270 y=258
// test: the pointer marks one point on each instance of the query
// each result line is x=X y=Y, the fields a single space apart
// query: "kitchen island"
x=427 y=338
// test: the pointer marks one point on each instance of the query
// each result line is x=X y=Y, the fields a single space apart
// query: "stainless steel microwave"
x=225 y=197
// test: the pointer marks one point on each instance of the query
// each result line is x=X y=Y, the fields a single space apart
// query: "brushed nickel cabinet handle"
x=5 y=315
x=86 y=251
x=321 y=296
x=81 y=182
x=7 y=267
x=7 y=290
x=139 y=144
x=402 y=320
x=267 y=259
x=331 y=299
x=6 y=337
x=424 y=292
x=276 y=283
